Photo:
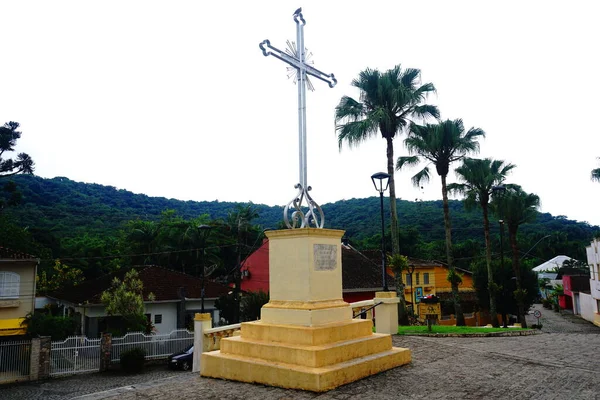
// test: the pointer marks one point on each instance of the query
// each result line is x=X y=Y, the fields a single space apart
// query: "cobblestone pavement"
x=559 y=364
x=78 y=385
x=544 y=366
x=563 y=322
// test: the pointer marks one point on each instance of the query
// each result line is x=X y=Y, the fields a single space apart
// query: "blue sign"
x=418 y=294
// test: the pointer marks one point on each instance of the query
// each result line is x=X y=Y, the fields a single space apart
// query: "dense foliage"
x=58 y=327
x=98 y=228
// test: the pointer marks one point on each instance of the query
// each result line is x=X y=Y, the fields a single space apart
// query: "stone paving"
x=78 y=385
x=561 y=363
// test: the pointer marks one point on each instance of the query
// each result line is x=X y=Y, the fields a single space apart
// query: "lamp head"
x=381 y=180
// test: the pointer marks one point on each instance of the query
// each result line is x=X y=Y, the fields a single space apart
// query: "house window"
x=10 y=283
x=418 y=279
x=408 y=279
x=426 y=278
x=158 y=319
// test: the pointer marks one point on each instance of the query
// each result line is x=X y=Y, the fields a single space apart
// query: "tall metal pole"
x=411 y=269
x=383 y=273
x=295 y=56
x=202 y=291
x=203 y=231
x=502 y=265
x=300 y=54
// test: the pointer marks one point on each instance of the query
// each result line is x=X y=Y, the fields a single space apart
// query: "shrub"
x=251 y=304
x=132 y=361
x=57 y=327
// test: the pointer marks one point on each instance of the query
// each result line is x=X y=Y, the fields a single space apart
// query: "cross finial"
x=296 y=58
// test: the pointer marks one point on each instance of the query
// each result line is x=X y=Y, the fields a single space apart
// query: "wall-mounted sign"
x=418 y=294
x=325 y=256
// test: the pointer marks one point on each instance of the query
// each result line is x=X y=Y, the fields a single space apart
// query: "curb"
x=488 y=334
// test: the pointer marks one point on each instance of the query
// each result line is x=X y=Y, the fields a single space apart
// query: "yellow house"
x=429 y=278
x=17 y=290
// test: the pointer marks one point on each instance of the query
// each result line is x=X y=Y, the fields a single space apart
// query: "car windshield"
x=189 y=350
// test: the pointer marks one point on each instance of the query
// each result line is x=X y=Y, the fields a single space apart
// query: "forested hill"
x=67 y=209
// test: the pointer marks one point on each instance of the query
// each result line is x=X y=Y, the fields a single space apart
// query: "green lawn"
x=403 y=330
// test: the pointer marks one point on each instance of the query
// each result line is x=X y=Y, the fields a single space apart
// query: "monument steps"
x=307 y=355
x=307 y=335
x=217 y=364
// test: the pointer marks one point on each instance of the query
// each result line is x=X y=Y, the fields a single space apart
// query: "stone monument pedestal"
x=306 y=338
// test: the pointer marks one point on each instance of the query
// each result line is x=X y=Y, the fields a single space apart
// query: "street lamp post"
x=205 y=229
x=501 y=222
x=381 y=181
x=411 y=269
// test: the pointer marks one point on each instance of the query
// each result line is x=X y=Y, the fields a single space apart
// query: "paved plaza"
x=561 y=363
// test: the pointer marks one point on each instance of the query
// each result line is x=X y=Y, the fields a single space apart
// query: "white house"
x=590 y=303
x=177 y=296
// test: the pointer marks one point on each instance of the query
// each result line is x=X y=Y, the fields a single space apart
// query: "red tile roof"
x=6 y=253
x=162 y=282
x=359 y=271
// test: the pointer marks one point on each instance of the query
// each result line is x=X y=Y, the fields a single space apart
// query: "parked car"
x=182 y=360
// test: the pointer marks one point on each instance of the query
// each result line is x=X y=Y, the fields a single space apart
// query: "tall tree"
x=441 y=145
x=125 y=298
x=517 y=207
x=479 y=177
x=596 y=174
x=23 y=164
x=388 y=102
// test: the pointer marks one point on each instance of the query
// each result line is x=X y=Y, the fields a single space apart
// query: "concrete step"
x=307 y=355
x=317 y=379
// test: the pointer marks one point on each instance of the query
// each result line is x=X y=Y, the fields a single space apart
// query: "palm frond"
x=427 y=111
x=356 y=132
x=422 y=176
x=457 y=188
x=349 y=109
x=406 y=161
x=596 y=174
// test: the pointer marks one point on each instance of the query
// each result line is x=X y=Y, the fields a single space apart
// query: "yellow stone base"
x=317 y=358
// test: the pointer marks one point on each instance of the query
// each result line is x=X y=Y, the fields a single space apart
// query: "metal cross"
x=296 y=58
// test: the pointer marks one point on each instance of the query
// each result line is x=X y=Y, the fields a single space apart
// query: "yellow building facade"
x=17 y=290
x=423 y=279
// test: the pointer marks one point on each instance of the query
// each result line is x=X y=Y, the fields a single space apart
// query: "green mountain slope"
x=65 y=209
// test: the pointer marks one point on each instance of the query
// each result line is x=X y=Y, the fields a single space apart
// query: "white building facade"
x=590 y=304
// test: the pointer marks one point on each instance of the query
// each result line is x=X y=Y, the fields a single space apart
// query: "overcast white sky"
x=175 y=99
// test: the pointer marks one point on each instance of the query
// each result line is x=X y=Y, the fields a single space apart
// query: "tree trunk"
x=393 y=210
x=490 y=272
x=402 y=309
x=402 y=312
x=460 y=318
x=519 y=293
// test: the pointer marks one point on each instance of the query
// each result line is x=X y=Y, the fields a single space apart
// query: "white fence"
x=155 y=346
x=75 y=354
x=15 y=358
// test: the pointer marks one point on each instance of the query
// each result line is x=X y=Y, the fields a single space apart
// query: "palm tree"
x=388 y=102
x=596 y=174
x=195 y=237
x=441 y=144
x=479 y=177
x=517 y=207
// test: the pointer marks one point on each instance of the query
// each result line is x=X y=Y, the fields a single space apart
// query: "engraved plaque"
x=325 y=257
